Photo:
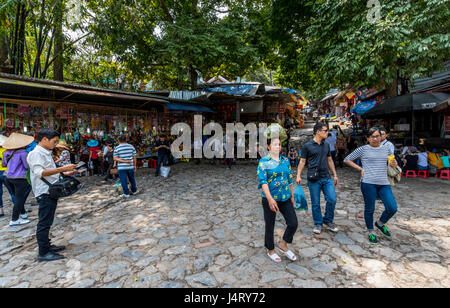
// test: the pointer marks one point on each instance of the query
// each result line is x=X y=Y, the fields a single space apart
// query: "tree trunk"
x=3 y=55
x=58 y=65
x=21 y=41
x=193 y=75
x=391 y=89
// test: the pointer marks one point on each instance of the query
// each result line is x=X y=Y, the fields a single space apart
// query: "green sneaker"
x=383 y=230
x=373 y=239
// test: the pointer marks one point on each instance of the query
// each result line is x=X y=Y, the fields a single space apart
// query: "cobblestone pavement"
x=203 y=227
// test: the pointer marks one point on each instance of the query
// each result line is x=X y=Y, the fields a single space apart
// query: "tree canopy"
x=174 y=40
x=302 y=44
x=324 y=44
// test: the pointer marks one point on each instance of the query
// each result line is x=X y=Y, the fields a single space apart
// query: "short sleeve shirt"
x=316 y=156
x=277 y=175
x=125 y=151
x=65 y=158
x=163 y=151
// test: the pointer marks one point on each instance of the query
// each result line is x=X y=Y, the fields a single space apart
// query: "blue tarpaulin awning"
x=248 y=89
x=173 y=106
x=363 y=107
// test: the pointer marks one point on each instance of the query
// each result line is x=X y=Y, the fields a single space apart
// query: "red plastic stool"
x=445 y=174
x=153 y=163
x=423 y=174
x=411 y=174
x=438 y=173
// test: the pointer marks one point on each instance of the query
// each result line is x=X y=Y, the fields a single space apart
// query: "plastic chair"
x=423 y=174
x=411 y=174
x=445 y=174
x=446 y=161
x=153 y=163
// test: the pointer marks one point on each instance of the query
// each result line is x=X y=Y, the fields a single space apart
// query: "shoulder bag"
x=65 y=187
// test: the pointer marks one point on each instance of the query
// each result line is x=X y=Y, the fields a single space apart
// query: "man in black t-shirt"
x=411 y=161
x=163 y=148
x=316 y=153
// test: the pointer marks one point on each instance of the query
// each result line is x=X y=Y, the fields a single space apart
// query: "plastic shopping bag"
x=300 y=199
x=165 y=171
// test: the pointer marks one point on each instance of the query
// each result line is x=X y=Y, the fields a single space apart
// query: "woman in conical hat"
x=2 y=178
x=17 y=141
x=64 y=154
x=16 y=175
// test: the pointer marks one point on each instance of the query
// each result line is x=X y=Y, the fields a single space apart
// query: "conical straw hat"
x=2 y=140
x=17 y=141
x=63 y=145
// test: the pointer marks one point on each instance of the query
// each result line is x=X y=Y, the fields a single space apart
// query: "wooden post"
x=238 y=112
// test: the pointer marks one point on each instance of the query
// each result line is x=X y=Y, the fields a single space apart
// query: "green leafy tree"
x=32 y=38
x=325 y=44
x=173 y=41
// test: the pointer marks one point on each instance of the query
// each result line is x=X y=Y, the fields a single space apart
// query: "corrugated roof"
x=437 y=82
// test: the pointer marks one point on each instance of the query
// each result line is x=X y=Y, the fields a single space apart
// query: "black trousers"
x=288 y=211
x=109 y=166
x=47 y=209
x=19 y=188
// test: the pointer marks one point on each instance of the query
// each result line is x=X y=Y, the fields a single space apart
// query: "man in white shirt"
x=41 y=164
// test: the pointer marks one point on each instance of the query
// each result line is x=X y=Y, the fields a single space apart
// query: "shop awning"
x=363 y=107
x=331 y=94
x=438 y=81
x=407 y=103
x=238 y=90
x=29 y=90
x=445 y=105
x=181 y=107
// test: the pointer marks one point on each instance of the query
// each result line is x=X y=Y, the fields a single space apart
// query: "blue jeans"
x=3 y=182
x=123 y=176
x=327 y=186
x=164 y=159
x=422 y=167
x=370 y=193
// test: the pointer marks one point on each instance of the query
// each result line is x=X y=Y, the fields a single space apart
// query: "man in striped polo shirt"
x=125 y=156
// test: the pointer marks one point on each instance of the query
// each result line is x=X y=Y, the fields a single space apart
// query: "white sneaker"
x=24 y=216
x=19 y=222
x=317 y=229
x=125 y=196
x=135 y=193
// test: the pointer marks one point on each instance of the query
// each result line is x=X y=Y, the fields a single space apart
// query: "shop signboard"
x=251 y=107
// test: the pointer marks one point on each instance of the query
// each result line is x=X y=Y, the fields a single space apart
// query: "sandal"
x=275 y=258
x=289 y=254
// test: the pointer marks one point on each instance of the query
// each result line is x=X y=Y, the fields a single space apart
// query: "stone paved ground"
x=203 y=227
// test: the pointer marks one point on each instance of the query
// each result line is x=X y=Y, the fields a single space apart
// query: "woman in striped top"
x=374 y=181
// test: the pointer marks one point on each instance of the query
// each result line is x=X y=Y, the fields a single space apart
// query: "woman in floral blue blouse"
x=275 y=179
